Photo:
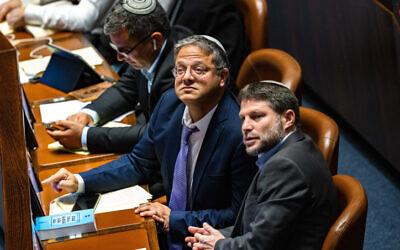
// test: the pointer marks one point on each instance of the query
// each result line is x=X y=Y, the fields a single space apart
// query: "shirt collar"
x=264 y=157
x=201 y=124
x=149 y=73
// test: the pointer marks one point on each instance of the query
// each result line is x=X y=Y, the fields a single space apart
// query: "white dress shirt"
x=85 y=16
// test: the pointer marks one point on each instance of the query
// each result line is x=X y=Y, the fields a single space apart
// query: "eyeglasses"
x=125 y=53
x=195 y=71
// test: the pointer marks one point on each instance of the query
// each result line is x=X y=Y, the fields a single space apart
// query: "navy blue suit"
x=223 y=171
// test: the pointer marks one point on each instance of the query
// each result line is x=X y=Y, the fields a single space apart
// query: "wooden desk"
x=37 y=93
x=116 y=230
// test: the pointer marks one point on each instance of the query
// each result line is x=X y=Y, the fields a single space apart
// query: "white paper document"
x=61 y=110
x=122 y=199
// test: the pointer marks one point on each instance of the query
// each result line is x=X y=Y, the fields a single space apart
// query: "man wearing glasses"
x=194 y=139
x=141 y=35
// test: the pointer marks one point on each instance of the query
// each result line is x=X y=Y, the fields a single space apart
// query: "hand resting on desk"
x=70 y=137
x=81 y=118
x=63 y=179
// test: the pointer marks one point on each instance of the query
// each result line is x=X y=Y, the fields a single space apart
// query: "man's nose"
x=247 y=125
x=187 y=76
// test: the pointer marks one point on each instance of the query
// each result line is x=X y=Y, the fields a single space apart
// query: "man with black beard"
x=292 y=202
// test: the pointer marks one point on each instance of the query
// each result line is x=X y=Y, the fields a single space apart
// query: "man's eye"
x=180 y=70
x=199 y=70
x=257 y=116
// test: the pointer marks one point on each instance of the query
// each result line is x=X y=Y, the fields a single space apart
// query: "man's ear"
x=288 y=119
x=224 y=73
x=157 y=38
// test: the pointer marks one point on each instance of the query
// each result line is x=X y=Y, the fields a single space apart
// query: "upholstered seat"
x=324 y=132
x=348 y=230
x=271 y=64
x=255 y=21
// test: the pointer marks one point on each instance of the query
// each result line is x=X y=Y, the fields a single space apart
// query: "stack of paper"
x=61 y=110
x=126 y=198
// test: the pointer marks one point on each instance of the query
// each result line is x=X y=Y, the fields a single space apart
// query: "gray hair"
x=278 y=97
x=219 y=59
x=137 y=25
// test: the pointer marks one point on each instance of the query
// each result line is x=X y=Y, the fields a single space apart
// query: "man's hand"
x=159 y=212
x=7 y=7
x=15 y=18
x=63 y=179
x=204 y=238
x=70 y=137
x=81 y=118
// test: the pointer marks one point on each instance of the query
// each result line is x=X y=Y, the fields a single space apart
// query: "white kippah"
x=212 y=39
x=276 y=83
x=139 y=7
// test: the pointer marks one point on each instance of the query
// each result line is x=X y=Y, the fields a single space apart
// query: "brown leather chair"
x=347 y=232
x=255 y=21
x=324 y=132
x=271 y=64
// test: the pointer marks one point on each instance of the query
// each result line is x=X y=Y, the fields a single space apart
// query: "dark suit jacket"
x=222 y=174
x=124 y=96
x=290 y=204
x=217 y=18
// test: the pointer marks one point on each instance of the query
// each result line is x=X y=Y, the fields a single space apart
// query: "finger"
x=208 y=228
x=60 y=175
x=158 y=218
x=65 y=123
x=194 y=230
x=147 y=213
x=190 y=239
x=143 y=207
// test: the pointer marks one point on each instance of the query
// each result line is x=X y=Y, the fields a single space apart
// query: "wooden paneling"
x=349 y=52
x=14 y=178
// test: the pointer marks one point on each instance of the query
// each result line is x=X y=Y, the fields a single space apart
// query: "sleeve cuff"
x=81 y=184
x=84 y=138
x=91 y=113
x=33 y=14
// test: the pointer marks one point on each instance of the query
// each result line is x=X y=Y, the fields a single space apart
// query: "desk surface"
x=38 y=92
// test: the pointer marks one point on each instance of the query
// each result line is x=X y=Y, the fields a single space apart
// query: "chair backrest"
x=271 y=64
x=324 y=131
x=255 y=21
x=347 y=232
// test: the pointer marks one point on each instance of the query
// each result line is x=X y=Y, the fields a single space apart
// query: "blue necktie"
x=179 y=185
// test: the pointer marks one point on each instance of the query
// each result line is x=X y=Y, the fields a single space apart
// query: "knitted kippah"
x=139 y=7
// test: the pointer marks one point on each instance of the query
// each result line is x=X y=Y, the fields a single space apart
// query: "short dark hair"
x=137 y=25
x=279 y=98
x=219 y=59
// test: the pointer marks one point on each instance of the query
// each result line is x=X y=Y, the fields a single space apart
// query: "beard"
x=268 y=139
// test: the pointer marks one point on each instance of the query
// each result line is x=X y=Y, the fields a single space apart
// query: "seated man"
x=145 y=42
x=292 y=200
x=194 y=138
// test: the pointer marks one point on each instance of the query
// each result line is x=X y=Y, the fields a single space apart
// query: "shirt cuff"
x=81 y=184
x=33 y=14
x=91 y=113
x=84 y=138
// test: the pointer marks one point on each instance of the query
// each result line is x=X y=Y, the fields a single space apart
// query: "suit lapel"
x=173 y=143
x=210 y=142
